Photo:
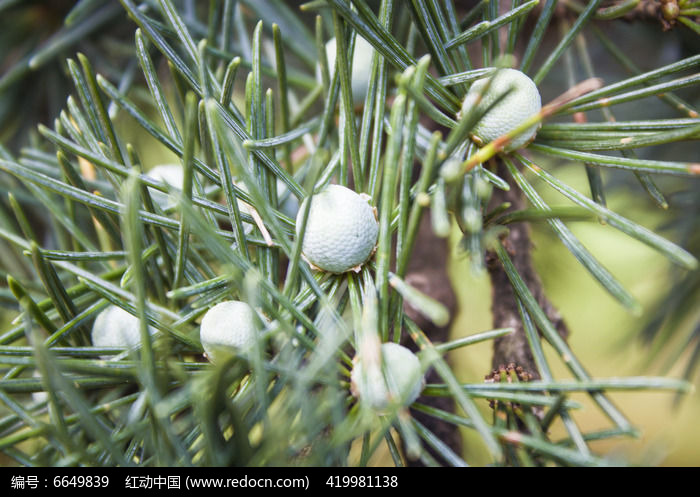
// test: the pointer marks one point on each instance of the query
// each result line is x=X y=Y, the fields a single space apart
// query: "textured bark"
x=514 y=348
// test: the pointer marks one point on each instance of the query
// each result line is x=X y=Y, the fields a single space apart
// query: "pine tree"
x=259 y=114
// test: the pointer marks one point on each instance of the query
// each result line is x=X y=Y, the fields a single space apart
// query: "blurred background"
x=604 y=335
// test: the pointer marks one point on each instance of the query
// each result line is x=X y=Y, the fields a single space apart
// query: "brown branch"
x=514 y=348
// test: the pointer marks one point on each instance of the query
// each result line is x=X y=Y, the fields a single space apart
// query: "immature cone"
x=361 y=65
x=172 y=175
x=288 y=203
x=115 y=327
x=401 y=368
x=228 y=325
x=341 y=230
x=521 y=102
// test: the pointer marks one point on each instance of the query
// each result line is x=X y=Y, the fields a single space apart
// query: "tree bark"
x=514 y=348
